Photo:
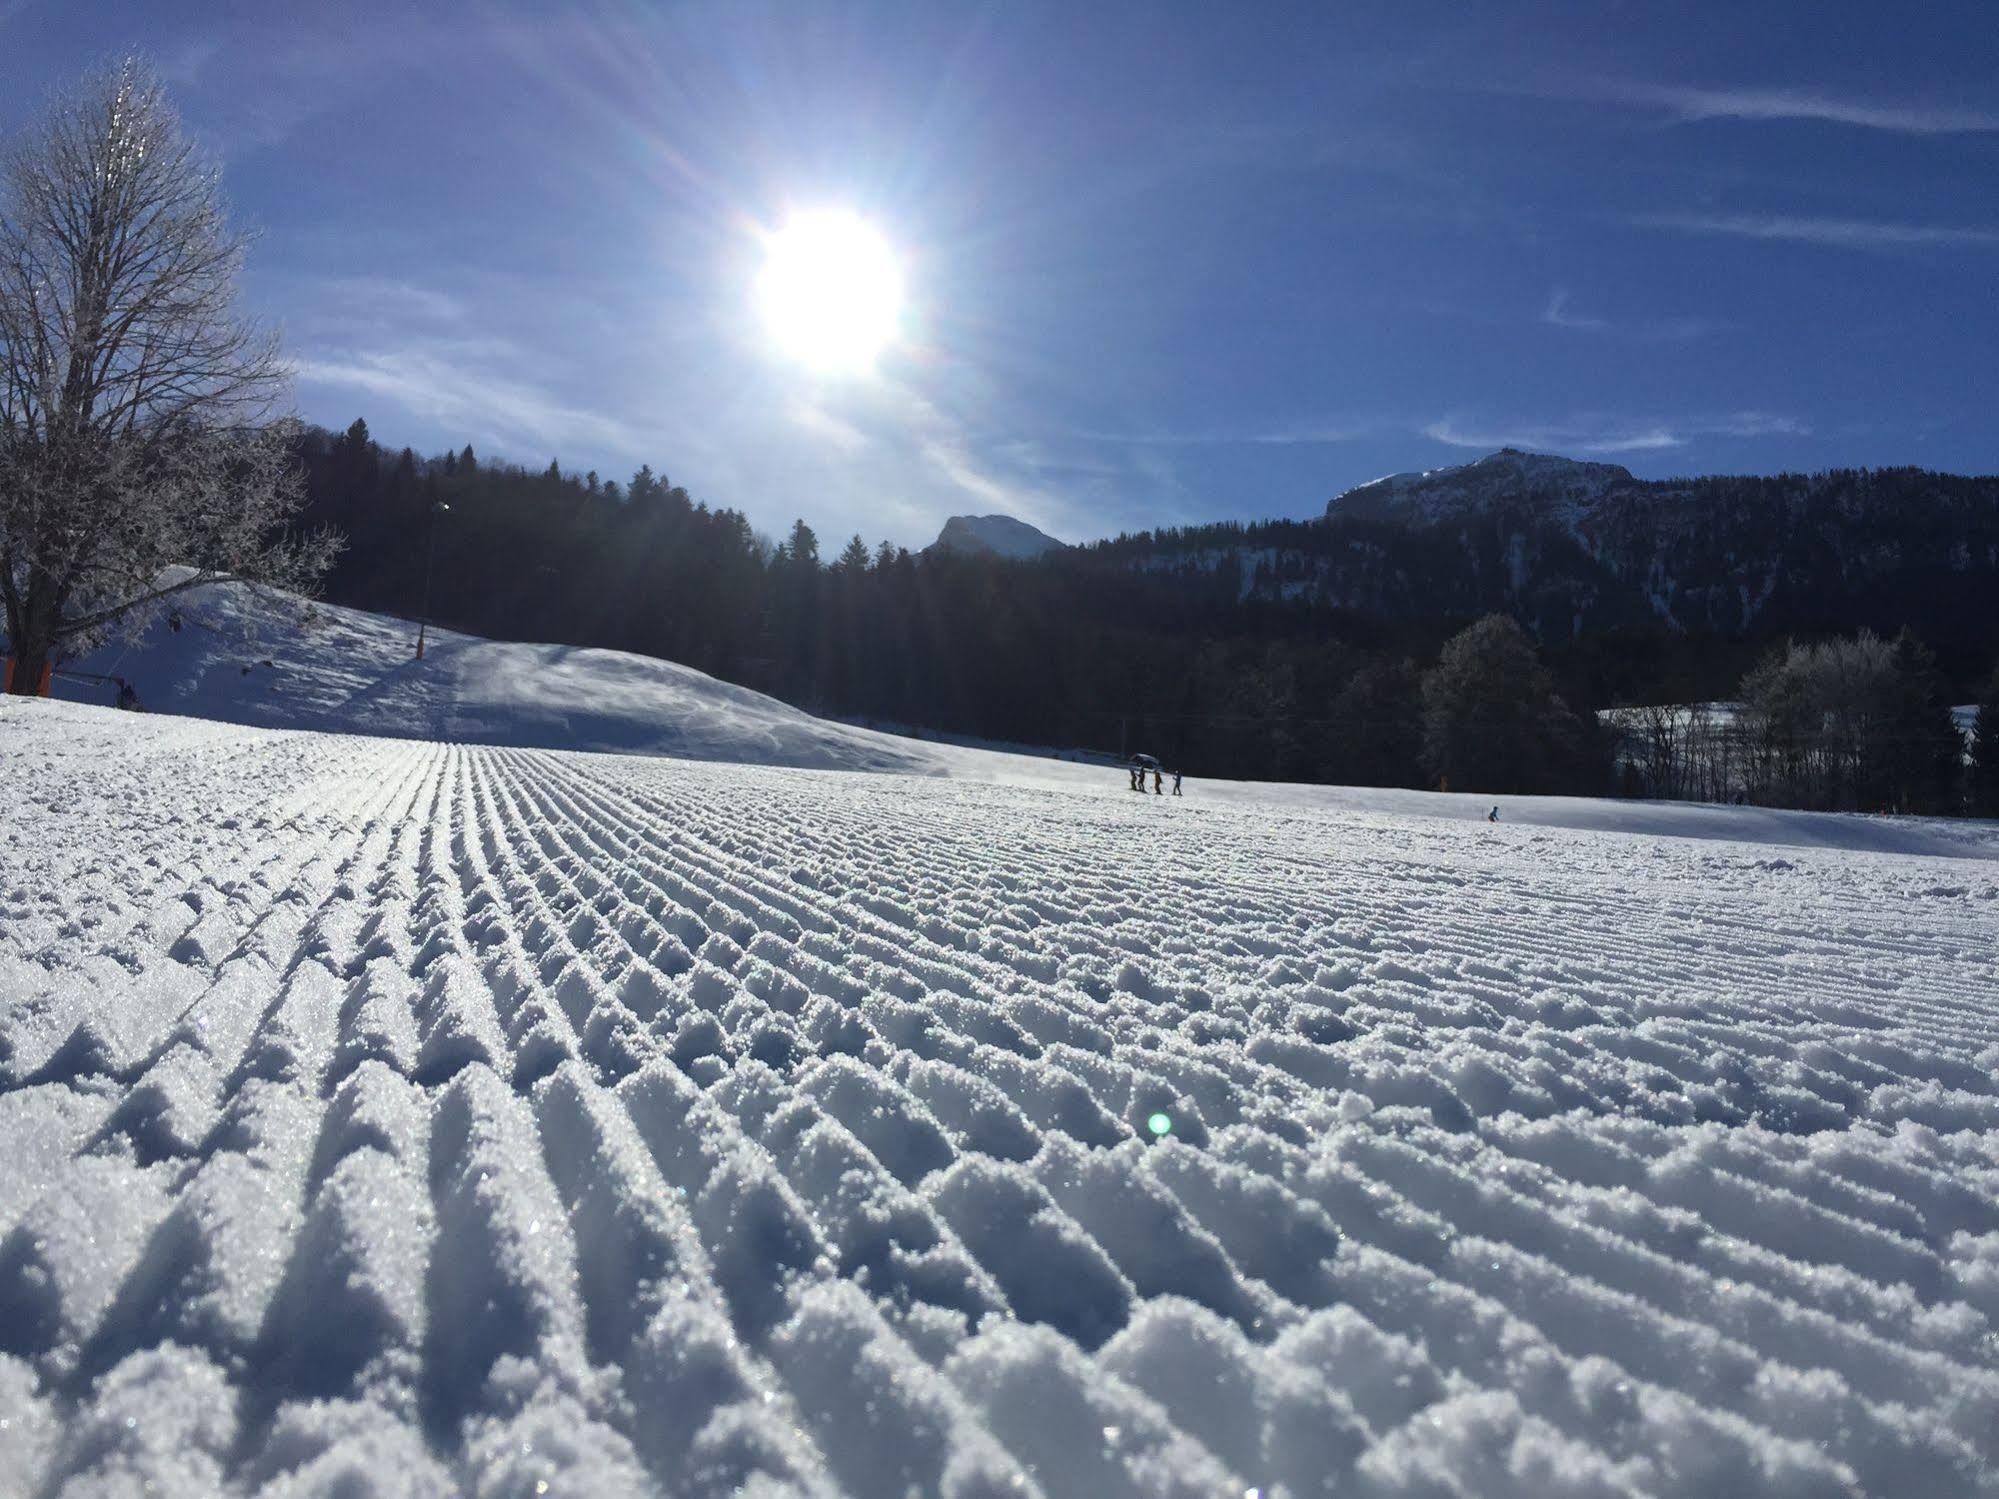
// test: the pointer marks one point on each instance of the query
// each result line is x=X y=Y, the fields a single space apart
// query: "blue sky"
x=1166 y=262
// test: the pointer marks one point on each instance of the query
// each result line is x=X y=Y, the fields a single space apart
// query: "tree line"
x=1849 y=723
x=1082 y=648
x=1072 y=649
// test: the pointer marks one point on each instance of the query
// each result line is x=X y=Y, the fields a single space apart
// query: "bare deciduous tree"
x=141 y=447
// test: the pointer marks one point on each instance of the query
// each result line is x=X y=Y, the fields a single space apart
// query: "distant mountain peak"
x=1511 y=474
x=994 y=535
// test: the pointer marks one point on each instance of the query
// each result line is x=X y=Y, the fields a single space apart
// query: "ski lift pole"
x=429 y=565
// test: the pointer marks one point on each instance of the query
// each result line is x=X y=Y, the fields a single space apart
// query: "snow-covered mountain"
x=997 y=535
x=1552 y=487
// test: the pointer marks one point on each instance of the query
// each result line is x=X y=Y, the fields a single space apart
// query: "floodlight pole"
x=429 y=562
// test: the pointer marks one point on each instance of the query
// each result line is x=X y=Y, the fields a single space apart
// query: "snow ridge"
x=389 y=1117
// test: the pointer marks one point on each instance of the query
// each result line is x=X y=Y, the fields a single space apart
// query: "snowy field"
x=388 y=1117
x=243 y=658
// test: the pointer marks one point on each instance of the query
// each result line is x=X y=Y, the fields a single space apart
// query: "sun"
x=831 y=291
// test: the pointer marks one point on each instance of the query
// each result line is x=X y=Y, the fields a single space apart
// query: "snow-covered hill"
x=399 y=1118
x=998 y=535
x=245 y=658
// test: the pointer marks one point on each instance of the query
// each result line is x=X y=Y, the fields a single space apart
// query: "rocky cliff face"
x=994 y=535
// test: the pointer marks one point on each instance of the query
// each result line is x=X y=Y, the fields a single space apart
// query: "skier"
x=1493 y=815
x=1158 y=781
x=128 y=695
x=1176 y=783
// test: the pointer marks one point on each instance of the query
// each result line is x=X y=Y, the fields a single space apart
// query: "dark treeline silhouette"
x=1654 y=590
x=1219 y=648
x=1065 y=651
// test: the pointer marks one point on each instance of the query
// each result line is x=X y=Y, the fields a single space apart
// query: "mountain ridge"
x=995 y=535
x=1574 y=547
x=1560 y=482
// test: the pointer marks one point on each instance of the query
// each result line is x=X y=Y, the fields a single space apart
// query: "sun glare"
x=831 y=291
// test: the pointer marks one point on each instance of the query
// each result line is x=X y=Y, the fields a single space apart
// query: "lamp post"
x=429 y=561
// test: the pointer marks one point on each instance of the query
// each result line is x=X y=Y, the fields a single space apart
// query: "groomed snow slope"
x=243 y=658
x=385 y=1117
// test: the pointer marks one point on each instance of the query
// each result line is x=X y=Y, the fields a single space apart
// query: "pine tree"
x=1924 y=751
x=1985 y=752
x=854 y=557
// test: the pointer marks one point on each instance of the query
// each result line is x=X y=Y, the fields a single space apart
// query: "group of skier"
x=1144 y=765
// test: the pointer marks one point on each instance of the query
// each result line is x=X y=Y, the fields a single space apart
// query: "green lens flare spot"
x=1160 y=1124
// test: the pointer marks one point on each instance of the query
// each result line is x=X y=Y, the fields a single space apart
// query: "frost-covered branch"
x=140 y=425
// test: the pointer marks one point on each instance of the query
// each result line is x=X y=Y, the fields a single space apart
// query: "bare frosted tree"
x=143 y=446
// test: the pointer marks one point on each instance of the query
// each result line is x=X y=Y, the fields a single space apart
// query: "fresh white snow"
x=389 y=1116
x=243 y=657
x=393 y=1117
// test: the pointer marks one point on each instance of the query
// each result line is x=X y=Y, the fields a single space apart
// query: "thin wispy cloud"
x=1557 y=314
x=1609 y=436
x=1308 y=434
x=1555 y=439
x=1848 y=234
x=1560 y=313
x=337 y=304
x=947 y=448
x=1685 y=104
x=460 y=387
x=844 y=436
x=1693 y=105
x=879 y=451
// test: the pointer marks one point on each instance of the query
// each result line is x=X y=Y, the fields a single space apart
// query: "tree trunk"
x=34 y=642
x=25 y=672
